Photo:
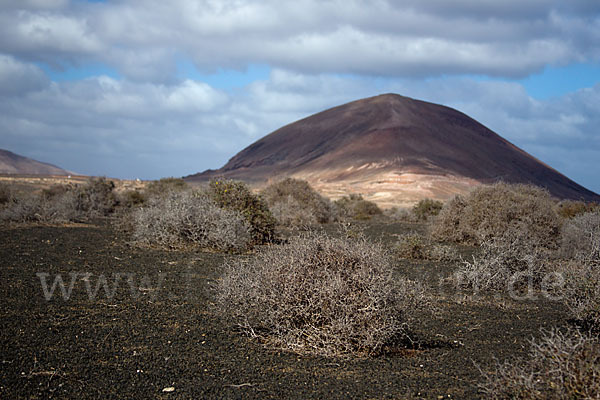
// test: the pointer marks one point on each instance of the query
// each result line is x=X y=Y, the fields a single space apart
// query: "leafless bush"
x=509 y=261
x=400 y=214
x=581 y=238
x=189 y=219
x=411 y=246
x=319 y=294
x=21 y=208
x=96 y=197
x=289 y=212
x=572 y=208
x=164 y=186
x=442 y=252
x=63 y=208
x=581 y=269
x=56 y=191
x=447 y=225
x=356 y=207
x=132 y=198
x=294 y=202
x=560 y=366
x=38 y=207
x=417 y=247
x=581 y=292
x=489 y=211
x=236 y=196
x=62 y=203
x=427 y=208
x=6 y=194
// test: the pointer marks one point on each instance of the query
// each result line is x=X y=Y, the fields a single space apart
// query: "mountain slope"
x=395 y=150
x=11 y=163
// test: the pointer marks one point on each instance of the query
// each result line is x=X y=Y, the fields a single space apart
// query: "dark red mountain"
x=394 y=150
x=11 y=163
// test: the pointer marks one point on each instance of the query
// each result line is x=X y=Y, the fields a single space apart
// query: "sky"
x=152 y=88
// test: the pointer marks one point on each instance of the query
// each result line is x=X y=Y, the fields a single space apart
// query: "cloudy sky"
x=154 y=88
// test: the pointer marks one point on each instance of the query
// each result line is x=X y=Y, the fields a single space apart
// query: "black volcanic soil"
x=142 y=340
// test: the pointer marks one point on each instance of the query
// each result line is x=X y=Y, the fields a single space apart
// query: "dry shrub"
x=291 y=213
x=6 y=194
x=22 y=208
x=356 y=207
x=581 y=293
x=236 y=196
x=63 y=203
x=442 y=252
x=319 y=294
x=55 y=191
x=35 y=207
x=447 y=225
x=400 y=214
x=96 y=197
x=154 y=189
x=132 y=198
x=427 y=208
x=294 y=202
x=417 y=247
x=581 y=247
x=183 y=219
x=581 y=238
x=560 y=366
x=571 y=208
x=490 y=211
x=164 y=186
x=411 y=246
x=510 y=261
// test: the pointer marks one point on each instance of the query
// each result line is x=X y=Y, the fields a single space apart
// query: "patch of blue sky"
x=558 y=81
x=78 y=73
x=224 y=79
x=554 y=82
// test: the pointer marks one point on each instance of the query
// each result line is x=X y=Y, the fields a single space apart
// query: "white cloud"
x=51 y=37
x=33 y=4
x=193 y=96
x=400 y=39
x=17 y=78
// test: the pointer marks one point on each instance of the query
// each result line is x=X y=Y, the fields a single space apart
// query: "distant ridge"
x=11 y=163
x=394 y=150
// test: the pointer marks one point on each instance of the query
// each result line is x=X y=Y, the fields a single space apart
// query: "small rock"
x=169 y=389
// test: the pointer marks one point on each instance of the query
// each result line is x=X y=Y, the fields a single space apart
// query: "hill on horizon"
x=11 y=163
x=395 y=151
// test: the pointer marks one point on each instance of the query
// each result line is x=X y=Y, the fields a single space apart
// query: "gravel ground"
x=156 y=335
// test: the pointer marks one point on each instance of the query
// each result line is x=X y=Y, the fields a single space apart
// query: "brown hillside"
x=11 y=163
x=395 y=150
